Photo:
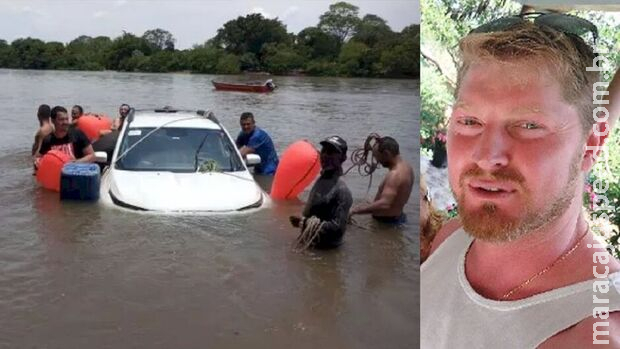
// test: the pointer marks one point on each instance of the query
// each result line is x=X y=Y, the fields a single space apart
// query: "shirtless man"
x=45 y=127
x=123 y=111
x=396 y=187
x=117 y=124
x=76 y=112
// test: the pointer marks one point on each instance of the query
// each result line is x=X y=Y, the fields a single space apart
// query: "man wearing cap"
x=253 y=139
x=396 y=187
x=330 y=199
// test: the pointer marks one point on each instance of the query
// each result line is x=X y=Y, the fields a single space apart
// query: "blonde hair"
x=564 y=57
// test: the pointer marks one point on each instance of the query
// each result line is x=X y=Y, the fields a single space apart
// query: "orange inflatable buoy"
x=91 y=124
x=50 y=167
x=299 y=165
x=105 y=121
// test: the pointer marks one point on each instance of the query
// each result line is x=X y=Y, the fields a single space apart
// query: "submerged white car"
x=179 y=161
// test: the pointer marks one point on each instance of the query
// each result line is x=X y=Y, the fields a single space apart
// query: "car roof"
x=178 y=119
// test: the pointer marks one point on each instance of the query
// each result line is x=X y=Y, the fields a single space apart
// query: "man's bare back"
x=44 y=131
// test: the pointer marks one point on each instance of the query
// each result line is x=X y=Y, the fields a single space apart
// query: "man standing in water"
x=45 y=127
x=69 y=140
x=117 y=124
x=330 y=199
x=253 y=139
x=523 y=269
x=76 y=112
x=396 y=187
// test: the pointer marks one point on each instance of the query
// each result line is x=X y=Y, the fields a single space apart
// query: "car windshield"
x=178 y=150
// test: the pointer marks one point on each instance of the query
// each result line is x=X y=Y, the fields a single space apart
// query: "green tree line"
x=341 y=44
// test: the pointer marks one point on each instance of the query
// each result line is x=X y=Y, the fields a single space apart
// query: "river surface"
x=79 y=275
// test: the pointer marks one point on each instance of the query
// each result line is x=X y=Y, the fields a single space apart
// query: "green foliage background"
x=341 y=44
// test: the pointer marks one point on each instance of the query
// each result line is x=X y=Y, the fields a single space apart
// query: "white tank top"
x=453 y=315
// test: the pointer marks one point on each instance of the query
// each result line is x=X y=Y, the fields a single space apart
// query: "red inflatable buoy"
x=50 y=167
x=299 y=165
x=91 y=124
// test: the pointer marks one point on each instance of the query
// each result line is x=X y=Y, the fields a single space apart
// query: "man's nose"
x=492 y=148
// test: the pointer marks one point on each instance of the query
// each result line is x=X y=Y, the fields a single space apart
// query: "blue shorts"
x=394 y=220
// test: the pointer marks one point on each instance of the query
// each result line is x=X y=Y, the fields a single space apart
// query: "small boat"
x=266 y=86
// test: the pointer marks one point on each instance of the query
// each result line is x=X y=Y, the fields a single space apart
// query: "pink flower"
x=441 y=136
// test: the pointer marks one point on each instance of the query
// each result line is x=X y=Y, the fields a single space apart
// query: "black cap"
x=337 y=142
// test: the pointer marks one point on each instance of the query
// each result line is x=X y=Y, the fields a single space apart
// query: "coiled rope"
x=310 y=229
x=364 y=160
x=366 y=164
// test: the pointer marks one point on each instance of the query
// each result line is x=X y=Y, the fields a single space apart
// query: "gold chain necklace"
x=557 y=261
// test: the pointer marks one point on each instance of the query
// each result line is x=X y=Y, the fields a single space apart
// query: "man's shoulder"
x=446 y=230
x=259 y=132
x=76 y=133
x=47 y=137
x=45 y=130
x=344 y=190
x=343 y=185
x=581 y=335
x=405 y=169
x=401 y=175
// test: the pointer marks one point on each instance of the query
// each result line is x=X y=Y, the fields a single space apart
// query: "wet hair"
x=124 y=105
x=246 y=115
x=57 y=109
x=564 y=57
x=43 y=113
x=79 y=107
x=388 y=144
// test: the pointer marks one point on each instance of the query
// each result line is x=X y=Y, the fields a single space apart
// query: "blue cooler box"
x=80 y=182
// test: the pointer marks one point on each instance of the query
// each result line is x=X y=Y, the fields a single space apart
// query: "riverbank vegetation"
x=341 y=44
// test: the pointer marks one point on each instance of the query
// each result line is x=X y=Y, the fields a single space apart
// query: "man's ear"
x=594 y=146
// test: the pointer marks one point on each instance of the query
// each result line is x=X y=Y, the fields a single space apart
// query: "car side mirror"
x=101 y=157
x=252 y=159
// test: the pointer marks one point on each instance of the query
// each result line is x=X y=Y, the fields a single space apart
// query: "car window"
x=178 y=150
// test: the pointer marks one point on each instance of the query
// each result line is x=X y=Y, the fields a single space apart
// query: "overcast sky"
x=191 y=22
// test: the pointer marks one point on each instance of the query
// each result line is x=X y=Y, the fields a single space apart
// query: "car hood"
x=168 y=191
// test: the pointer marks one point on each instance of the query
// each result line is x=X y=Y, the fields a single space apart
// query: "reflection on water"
x=81 y=275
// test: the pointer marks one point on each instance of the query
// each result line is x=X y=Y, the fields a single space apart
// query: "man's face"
x=331 y=159
x=515 y=151
x=123 y=110
x=62 y=122
x=247 y=125
x=75 y=114
x=382 y=157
